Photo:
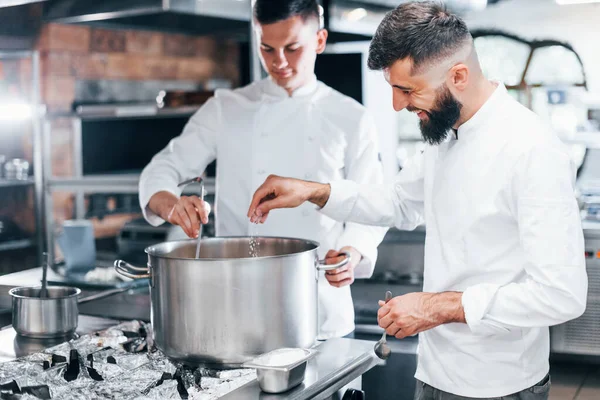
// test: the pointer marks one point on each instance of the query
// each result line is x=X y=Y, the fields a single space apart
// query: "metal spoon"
x=187 y=182
x=44 y=291
x=382 y=350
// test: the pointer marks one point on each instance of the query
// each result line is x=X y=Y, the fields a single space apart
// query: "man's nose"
x=400 y=101
x=280 y=61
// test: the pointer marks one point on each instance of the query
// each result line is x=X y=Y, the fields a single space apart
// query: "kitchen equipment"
x=102 y=277
x=44 y=291
x=581 y=335
x=354 y=394
x=16 y=169
x=136 y=235
x=180 y=98
x=9 y=230
x=54 y=316
x=280 y=370
x=382 y=350
x=78 y=245
x=226 y=307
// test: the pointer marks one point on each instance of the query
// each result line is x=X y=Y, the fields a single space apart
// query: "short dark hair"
x=424 y=31
x=271 y=11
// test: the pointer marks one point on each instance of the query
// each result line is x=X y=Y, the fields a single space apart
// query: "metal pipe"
x=256 y=71
x=78 y=168
x=47 y=191
x=38 y=162
x=11 y=55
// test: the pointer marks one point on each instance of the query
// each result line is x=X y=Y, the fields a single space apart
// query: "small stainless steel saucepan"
x=52 y=316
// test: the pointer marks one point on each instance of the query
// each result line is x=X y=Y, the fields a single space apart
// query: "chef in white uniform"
x=504 y=254
x=288 y=124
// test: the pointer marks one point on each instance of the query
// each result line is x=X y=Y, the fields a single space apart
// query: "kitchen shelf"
x=115 y=184
x=32 y=97
x=110 y=112
x=16 y=244
x=16 y=182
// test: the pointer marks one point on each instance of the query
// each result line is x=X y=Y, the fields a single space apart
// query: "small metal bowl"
x=277 y=377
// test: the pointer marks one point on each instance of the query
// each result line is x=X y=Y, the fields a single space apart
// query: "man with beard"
x=504 y=255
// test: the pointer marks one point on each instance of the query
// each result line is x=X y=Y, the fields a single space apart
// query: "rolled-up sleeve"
x=553 y=288
x=184 y=157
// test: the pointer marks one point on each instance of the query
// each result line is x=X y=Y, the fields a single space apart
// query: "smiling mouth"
x=283 y=74
x=420 y=113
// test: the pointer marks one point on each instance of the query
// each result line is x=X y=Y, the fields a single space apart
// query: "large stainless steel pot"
x=226 y=307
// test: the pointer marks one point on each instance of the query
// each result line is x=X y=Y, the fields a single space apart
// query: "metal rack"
x=13 y=183
x=38 y=112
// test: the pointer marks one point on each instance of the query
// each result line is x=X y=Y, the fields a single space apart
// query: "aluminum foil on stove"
x=108 y=370
x=168 y=390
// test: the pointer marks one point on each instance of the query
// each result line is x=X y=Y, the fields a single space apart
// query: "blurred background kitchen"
x=91 y=90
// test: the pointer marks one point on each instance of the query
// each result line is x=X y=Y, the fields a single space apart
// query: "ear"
x=321 y=40
x=459 y=76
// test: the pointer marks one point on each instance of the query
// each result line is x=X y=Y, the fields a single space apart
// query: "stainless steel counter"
x=337 y=363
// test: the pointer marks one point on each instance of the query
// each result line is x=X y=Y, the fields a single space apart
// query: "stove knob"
x=354 y=394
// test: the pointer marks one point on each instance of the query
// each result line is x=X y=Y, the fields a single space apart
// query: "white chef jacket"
x=316 y=134
x=503 y=227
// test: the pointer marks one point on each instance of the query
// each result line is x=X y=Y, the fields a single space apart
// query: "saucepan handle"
x=130 y=271
x=321 y=266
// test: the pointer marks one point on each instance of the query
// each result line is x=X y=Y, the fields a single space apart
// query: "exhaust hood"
x=195 y=17
x=21 y=24
x=359 y=19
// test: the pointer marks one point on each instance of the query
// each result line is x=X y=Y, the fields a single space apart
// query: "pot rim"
x=148 y=250
x=14 y=292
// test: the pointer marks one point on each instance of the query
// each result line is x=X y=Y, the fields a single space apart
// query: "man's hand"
x=417 y=312
x=187 y=211
x=278 y=192
x=344 y=275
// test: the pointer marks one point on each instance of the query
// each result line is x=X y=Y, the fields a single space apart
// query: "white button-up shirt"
x=503 y=227
x=316 y=134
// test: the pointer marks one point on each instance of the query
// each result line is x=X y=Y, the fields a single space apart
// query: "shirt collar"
x=272 y=89
x=484 y=114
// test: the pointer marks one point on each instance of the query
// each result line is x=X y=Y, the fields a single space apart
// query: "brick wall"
x=69 y=53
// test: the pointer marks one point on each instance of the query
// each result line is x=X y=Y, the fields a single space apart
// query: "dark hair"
x=271 y=11
x=425 y=32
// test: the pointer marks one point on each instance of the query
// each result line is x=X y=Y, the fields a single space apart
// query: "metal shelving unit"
x=37 y=114
x=114 y=184
x=15 y=182
x=16 y=244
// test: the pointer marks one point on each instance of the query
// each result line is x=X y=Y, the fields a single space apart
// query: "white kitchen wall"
x=377 y=96
x=578 y=25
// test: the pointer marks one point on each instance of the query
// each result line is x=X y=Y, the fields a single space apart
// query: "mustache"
x=414 y=109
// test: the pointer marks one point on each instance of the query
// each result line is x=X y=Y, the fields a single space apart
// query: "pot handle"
x=321 y=266
x=130 y=271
